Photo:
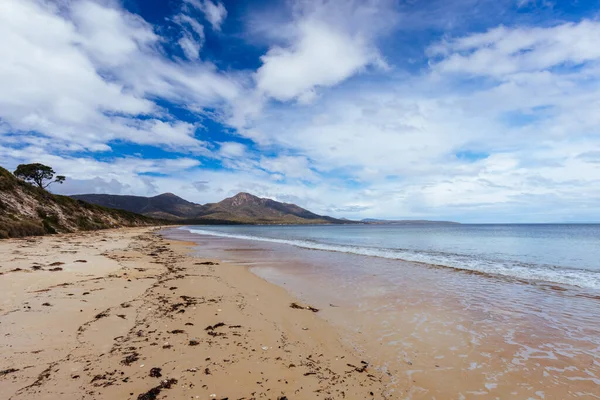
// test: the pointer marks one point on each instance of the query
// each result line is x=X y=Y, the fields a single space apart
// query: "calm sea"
x=566 y=254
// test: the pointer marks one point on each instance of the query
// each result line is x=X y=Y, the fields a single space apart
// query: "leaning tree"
x=40 y=174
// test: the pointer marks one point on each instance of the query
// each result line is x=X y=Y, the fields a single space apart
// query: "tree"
x=38 y=174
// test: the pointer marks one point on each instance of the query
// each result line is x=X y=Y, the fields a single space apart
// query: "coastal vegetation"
x=40 y=174
x=27 y=209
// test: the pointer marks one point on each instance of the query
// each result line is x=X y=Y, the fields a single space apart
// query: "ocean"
x=560 y=253
x=447 y=311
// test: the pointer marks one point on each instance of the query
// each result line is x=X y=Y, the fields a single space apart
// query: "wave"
x=548 y=273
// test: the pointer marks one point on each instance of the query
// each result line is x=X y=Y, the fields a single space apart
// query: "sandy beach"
x=437 y=333
x=127 y=314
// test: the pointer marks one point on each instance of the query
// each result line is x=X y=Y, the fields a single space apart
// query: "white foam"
x=581 y=278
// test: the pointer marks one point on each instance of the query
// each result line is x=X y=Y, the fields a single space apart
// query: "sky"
x=464 y=110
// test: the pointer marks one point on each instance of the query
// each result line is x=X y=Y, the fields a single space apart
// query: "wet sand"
x=438 y=332
x=127 y=314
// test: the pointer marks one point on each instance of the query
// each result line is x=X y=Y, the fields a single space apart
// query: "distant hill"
x=242 y=208
x=26 y=210
x=407 y=222
x=165 y=205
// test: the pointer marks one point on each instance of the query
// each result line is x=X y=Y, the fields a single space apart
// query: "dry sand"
x=126 y=314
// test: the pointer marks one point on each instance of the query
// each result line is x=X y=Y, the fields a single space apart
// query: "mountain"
x=165 y=205
x=247 y=208
x=242 y=208
x=406 y=222
x=27 y=210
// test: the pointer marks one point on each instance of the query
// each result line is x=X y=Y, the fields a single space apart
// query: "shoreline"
x=437 y=333
x=545 y=282
x=129 y=314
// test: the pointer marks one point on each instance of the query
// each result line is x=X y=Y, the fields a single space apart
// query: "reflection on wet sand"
x=438 y=333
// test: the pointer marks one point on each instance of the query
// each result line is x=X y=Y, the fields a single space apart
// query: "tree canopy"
x=40 y=174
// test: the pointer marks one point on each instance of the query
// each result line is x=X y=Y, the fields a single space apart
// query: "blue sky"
x=469 y=110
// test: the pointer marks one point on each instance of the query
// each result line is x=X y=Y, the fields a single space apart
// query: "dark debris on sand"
x=153 y=393
x=8 y=371
x=362 y=368
x=299 y=307
x=101 y=315
x=215 y=326
x=131 y=358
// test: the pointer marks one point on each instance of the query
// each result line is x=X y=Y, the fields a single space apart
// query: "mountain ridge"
x=243 y=208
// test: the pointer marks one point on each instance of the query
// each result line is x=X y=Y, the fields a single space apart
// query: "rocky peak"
x=242 y=199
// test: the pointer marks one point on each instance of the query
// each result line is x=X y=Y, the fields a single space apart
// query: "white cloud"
x=84 y=74
x=232 y=150
x=215 y=12
x=190 y=47
x=401 y=140
x=321 y=55
x=192 y=38
x=522 y=134
x=86 y=168
x=503 y=51
x=44 y=74
x=294 y=167
x=190 y=22
x=322 y=45
x=110 y=35
x=120 y=175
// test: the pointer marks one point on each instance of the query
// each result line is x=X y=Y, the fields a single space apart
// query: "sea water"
x=560 y=253
x=446 y=311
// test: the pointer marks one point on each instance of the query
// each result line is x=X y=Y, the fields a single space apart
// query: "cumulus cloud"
x=110 y=35
x=496 y=124
x=401 y=141
x=85 y=74
x=324 y=44
x=320 y=56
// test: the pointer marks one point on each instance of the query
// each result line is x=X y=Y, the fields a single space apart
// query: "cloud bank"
x=322 y=102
